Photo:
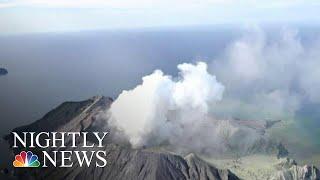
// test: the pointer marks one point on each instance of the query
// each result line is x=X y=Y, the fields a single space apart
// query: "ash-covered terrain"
x=265 y=159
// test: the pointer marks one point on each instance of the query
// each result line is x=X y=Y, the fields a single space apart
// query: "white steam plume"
x=263 y=77
x=163 y=108
x=268 y=75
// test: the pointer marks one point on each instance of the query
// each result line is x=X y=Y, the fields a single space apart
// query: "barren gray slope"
x=123 y=161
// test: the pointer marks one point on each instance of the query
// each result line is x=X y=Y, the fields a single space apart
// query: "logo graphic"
x=26 y=159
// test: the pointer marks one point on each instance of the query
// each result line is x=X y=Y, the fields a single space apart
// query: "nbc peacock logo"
x=26 y=159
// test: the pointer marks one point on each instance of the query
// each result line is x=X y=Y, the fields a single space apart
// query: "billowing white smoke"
x=263 y=77
x=164 y=108
x=268 y=75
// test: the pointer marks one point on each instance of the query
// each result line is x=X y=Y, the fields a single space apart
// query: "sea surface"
x=50 y=68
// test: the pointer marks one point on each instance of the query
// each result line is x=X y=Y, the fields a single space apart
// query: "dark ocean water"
x=48 y=69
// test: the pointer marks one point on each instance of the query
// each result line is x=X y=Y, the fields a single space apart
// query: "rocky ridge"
x=150 y=163
x=123 y=161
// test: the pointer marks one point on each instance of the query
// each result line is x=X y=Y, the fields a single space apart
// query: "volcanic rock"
x=123 y=161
